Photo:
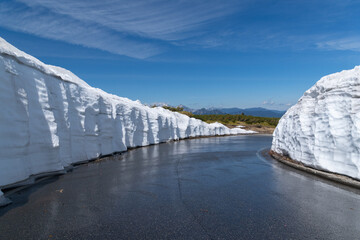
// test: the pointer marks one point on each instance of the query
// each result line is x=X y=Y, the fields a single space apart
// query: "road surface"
x=208 y=188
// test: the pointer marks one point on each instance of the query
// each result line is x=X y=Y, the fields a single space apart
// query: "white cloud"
x=144 y=28
x=158 y=19
x=268 y=102
x=41 y=22
x=276 y=105
x=138 y=29
x=350 y=43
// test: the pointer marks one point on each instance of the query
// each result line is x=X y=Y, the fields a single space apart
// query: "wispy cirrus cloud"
x=347 y=43
x=276 y=105
x=158 y=19
x=44 y=23
x=144 y=28
x=138 y=29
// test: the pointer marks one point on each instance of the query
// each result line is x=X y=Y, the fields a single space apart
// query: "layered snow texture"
x=323 y=129
x=51 y=119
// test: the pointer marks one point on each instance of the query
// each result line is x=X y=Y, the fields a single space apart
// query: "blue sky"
x=251 y=53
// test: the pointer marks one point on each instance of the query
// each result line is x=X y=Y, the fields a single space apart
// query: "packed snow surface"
x=51 y=119
x=323 y=129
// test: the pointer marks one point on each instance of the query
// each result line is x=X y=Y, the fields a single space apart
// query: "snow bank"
x=51 y=119
x=323 y=129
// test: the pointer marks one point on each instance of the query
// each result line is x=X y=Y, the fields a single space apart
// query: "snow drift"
x=51 y=119
x=323 y=129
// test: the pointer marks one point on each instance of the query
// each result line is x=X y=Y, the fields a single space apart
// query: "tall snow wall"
x=51 y=119
x=323 y=129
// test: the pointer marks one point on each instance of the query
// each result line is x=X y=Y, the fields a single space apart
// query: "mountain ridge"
x=257 y=111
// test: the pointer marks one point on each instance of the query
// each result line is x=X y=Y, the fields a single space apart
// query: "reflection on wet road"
x=209 y=188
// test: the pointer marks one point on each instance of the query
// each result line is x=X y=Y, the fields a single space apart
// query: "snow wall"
x=323 y=129
x=51 y=119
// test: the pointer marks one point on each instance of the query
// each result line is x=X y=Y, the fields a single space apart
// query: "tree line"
x=234 y=119
x=228 y=118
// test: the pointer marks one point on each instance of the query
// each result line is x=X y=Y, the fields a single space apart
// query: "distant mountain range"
x=204 y=111
x=259 y=112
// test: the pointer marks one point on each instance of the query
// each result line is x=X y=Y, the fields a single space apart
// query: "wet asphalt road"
x=209 y=188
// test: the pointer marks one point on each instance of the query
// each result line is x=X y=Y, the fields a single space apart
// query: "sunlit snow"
x=51 y=119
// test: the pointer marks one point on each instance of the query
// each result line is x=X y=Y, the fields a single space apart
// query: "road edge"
x=345 y=180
